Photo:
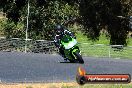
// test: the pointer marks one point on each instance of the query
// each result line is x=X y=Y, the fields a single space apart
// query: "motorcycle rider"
x=60 y=32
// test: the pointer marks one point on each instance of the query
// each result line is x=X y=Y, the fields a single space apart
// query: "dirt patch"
x=63 y=85
x=39 y=85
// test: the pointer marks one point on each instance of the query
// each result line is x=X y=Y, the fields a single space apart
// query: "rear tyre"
x=79 y=57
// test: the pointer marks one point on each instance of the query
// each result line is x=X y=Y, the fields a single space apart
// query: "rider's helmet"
x=59 y=29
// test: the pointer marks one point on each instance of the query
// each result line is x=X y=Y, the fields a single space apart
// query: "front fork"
x=76 y=48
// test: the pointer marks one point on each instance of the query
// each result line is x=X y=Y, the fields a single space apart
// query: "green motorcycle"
x=71 y=49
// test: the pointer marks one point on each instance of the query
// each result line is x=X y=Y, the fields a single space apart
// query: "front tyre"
x=79 y=57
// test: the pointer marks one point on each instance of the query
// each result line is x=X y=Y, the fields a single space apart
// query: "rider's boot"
x=65 y=58
x=61 y=52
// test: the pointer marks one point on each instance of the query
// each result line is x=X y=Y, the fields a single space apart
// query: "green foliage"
x=44 y=18
x=11 y=30
x=44 y=15
x=2 y=23
x=12 y=9
x=98 y=14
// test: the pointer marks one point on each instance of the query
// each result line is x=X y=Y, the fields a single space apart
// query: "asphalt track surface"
x=30 y=67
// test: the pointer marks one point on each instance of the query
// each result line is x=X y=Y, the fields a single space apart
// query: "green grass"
x=29 y=87
x=130 y=42
x=101 y=48
x=83 y=39
x=102 y=86
x=125 y=53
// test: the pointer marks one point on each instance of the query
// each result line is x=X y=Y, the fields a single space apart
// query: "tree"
x=98 y=14
x=95 y=15
x=44 y=15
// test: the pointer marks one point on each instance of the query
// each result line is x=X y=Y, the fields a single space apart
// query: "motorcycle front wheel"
x=79 y=57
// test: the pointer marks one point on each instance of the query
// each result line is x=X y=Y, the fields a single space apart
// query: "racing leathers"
x=57 y=41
